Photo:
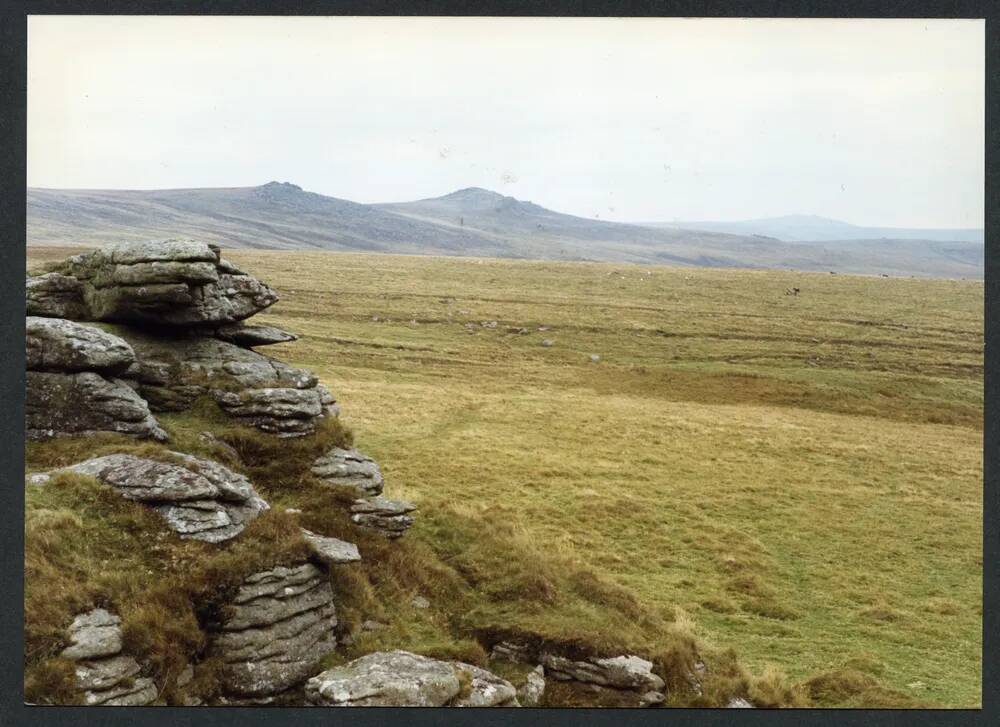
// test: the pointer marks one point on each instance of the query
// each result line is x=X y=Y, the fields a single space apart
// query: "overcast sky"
x=876 y=122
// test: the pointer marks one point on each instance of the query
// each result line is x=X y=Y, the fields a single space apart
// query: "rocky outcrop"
x=183 y=309
x=73 y=385
x=387 y=517
x=199 y=499
x=351 y=471
x=172 y=370
x=280 y=626
x=404 y=679
x=175 y=282
x=331 y=551
x=105 y=675
x=619 y=672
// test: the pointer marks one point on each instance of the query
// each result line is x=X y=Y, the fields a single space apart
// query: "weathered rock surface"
x=331 y=551
x=619 y=672
x=60 y=345
x=173 y=370
x=404 y=679
x=199 y=499
x=386 y=679
x=106 y=676
x=249 y=336
x=385 y=516
x=85 y=403
x=351 y=470
x=739 y=703
x=531 y=692
x=486 y=689
x=175 y=282
x=55 y=295
x=94 y=634
x=281 y=626
x=72 y=386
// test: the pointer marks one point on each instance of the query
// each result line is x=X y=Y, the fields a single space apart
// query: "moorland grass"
x=788 y=484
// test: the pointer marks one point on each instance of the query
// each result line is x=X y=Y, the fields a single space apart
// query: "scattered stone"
x=489 y=324
x=594 y=357
x=370 y=625
x=331 y=551
x=93 y=634
x=385 y=516
x=530 y=694
x=386 y=679
x=650 y=698
x=518 y=330
x=185 y=677
x=485 y=689
x=199 y=499
x=174 y=282
x=548 y=342
x=619 y=672
x=739 y=703
x=420 y=602
x=542 y=329
x=249 y=336
x=404 y=679
x=279 y=627
x=349 y=469
x=105 y=673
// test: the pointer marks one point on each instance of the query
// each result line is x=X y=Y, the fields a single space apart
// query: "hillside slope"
x=813 y=228
x=471 y=221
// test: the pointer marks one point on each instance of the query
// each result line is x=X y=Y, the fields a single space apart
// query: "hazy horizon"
x=873 y=122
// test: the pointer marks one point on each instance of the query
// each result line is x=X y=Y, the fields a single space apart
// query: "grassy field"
x=795 y=477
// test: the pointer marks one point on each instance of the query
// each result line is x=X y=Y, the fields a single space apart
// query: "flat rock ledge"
x=280 y=625
x=619 y=672
x=404 y=679
x=331 y=551
x=249 y=336
x=74 y=384
x=350 y=470
x=387 y=517
x=199 y=498
x=178 y=282
x=105 y=675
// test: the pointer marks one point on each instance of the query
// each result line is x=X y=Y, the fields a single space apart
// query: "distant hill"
x=473 y=221
x=811 y=228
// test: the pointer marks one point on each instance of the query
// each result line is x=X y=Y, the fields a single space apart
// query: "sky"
x=874 y=122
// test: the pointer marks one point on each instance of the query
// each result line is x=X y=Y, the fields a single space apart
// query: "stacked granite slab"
x=355 y=474
x=105 y=675
x=170 y=328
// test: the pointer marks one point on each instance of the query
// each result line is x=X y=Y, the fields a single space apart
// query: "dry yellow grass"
x=801 y=474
